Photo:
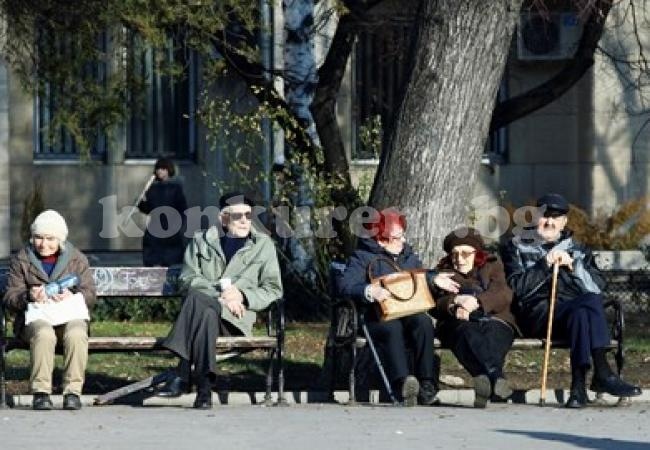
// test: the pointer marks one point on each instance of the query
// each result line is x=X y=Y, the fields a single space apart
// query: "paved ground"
x=327 y=426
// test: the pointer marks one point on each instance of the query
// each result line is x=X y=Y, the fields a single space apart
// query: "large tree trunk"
x=432 y=156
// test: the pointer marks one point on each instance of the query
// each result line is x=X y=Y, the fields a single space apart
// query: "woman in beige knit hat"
x=48 y=258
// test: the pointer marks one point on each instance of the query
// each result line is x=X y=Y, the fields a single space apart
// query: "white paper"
x=57 y=313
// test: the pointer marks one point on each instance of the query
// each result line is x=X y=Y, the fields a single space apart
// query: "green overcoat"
x=253 y=269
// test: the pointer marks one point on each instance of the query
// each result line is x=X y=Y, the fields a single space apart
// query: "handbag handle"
x=397 y=268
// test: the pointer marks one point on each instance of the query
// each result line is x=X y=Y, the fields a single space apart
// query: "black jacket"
x=355 y=278
x=530 y=277
x=158 y=251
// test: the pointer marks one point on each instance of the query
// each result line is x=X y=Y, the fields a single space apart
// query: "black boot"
x=203 y=398
x=428 y=393
x=614 y=385
x=605 y=380
x=578 y=395
x=177 y=384
x=41 y=402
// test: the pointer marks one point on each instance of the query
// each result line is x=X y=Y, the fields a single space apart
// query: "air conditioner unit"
x=551 y=36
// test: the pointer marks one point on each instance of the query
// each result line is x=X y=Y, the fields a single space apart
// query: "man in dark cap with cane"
x=579 y=315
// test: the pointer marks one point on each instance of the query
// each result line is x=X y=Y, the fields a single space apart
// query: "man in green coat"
x=230 y=271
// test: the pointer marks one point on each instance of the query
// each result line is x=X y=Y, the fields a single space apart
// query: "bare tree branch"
x=515 y=108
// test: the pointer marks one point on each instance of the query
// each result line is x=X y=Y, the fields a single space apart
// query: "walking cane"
x=549 y=330
x=137 y=202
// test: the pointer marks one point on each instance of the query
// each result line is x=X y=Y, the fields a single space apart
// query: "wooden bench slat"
x=518 y=344
x=146 y=343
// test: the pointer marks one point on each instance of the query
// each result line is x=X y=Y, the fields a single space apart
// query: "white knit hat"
x=50 y=222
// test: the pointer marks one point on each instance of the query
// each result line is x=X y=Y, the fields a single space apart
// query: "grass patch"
x=304 y=358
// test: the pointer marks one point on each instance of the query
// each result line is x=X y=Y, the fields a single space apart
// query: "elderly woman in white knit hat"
x=48 y=312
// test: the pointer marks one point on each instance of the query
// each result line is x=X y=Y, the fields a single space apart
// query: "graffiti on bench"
x=128 y=281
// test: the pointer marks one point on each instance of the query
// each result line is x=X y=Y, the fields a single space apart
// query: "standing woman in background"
x=159 y=249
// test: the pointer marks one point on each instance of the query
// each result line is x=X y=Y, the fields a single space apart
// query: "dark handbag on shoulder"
x=409 y=291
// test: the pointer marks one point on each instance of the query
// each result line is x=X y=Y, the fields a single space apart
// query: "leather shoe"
x=174 y=387
x=41 y=402
x=71 y=402
x=427 y=394
x=203 y=400
x=613 y=385
x=577 y=398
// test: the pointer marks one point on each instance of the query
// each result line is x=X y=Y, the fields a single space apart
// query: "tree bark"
x=430 y=162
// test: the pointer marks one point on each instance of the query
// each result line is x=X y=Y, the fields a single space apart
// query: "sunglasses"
x=239 y=215
x=463 y=254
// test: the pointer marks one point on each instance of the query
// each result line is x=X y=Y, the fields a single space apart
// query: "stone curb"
x=455 y=397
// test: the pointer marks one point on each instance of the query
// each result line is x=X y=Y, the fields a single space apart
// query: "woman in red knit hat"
x=387 y=242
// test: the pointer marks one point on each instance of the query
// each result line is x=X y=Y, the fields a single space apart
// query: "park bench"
x=346 y=336
x=127 y=283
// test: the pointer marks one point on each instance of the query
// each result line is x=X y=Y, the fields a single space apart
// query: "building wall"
x=5 y=214
x=590 y=145
x=91 y=194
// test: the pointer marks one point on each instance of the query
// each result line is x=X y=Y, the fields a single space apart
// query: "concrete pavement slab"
x=329 y=426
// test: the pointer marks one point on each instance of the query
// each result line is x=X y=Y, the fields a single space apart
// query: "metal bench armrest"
x=618 y=330
x=344 y=322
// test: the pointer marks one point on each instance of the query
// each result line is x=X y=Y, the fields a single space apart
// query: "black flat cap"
x=235 y=198
x=554 y=203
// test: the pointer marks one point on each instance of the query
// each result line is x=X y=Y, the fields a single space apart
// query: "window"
x=496 y=148
x=380 y=72
x=163 y=120
x=165 y=123
x=59 y=144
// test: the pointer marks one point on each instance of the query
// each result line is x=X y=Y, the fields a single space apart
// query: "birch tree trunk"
x=432 y=156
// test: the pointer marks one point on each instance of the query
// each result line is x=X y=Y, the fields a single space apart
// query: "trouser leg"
x=480 y=347
x=74 y=336
x=582 y=321
x=419 y=332
x=195 y=332
x=389 y=340
x=42 y=344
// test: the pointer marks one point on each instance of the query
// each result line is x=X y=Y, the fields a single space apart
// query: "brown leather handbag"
x=409 y=291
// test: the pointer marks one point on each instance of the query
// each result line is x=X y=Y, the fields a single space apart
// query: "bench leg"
x=6 y=400
x=268 y=399
x=331 y=355
x=352 y=375
x=281 y=399
x=133 y=387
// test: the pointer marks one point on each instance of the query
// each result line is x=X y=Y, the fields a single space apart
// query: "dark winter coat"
x=164 y=251
x=530 y=277
x=487 y=283
x=355 y=278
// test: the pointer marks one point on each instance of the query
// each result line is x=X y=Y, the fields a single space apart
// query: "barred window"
x=163 y=101
x=164 y=124
x=380 y=73
x=53 y=141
